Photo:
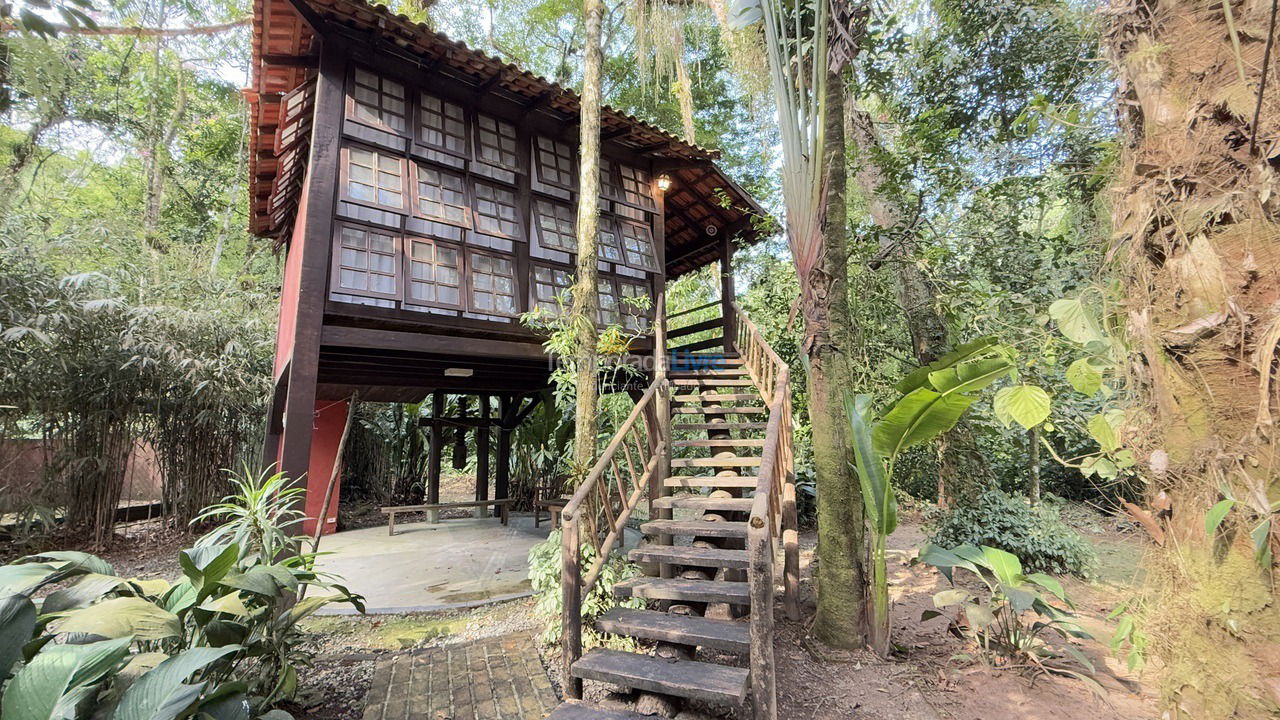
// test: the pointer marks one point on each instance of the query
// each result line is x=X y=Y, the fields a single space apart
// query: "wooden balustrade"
x=596 y=516
x=773 y=512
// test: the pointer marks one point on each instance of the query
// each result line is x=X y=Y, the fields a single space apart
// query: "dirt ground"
x=932 y=675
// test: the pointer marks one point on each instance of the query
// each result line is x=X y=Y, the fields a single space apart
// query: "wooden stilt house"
x=424 y=196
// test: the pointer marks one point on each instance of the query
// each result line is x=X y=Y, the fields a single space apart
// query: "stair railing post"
x=763 y=681
x=571 y=601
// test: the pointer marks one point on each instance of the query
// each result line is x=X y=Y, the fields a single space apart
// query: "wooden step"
x=697 y=345
x=580 y=710
x=729 y=372
x=712 y=382
x=711 y=481
x=680 y=629
x=722 y=426
x=708 y=591
x=720 y=410
x=695 y=528
x=691 y=556
x=720 y=442
x=683 y=678
x=704 y=361
x=717 y=397
x=734 y=461
x=702 y=502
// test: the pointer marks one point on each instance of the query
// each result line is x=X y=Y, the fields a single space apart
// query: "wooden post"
x=321 y=188
x=434 y=453
x=727 y=292
x=763 y=681
x=502 y=482
x=571 y=603
x=482 y=455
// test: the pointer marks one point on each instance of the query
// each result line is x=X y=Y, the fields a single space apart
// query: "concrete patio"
x=450 y=564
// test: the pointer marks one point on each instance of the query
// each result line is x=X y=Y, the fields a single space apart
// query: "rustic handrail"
x=597 y=514
x=773 y=511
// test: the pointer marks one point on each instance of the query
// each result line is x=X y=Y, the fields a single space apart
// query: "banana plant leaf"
x=926 y=412
x=877 y=492
x=920 y=376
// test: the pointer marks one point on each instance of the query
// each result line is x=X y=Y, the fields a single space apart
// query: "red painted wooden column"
x=330 y=419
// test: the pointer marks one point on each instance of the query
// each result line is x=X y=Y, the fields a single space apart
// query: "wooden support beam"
x=727 y=292
x=322 y=178
x=307 y=61
x=344 y=336
x=482 y=451
x=502 y=483
x=434 y=453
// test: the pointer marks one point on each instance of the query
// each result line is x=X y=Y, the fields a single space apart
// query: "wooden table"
x=503 y=507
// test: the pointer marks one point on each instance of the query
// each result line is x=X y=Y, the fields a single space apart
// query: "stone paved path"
x=492 y=679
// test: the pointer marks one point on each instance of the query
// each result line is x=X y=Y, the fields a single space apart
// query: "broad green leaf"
x=163 y=694
x=17 y=624
x=918 y=417
x=74 y=560
x=877 y=492
x=258 y=580
x=179 y=597
x=23 y=578
x=969 y=376
x=944 y=560
x=1050 y=583
x=949 y=597
x=1075 y=321
x=1261 y=536
x=1216 y=514
x=205 y=566
x=1101 y=430
x=1084 y=377
x=123 y=617
x=1020 y=598
x=979 y=616
x=228 y=701
x=230 y=603
x=1026 y=405
x=745 y=13
x=58 y=678
x=1004 y=564
x=88 y=589
x=920 y=376
x=1123 y=630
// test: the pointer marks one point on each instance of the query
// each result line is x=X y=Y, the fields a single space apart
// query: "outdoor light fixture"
x=664 y=182
x=458 y=372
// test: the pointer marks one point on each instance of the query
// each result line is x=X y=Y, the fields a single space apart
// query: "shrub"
x=544 y=575
x=221 y=642
x=1036 y=535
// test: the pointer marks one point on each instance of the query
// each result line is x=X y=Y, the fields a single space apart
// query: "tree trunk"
x=1196 y=244
x=52 y=114
x=828 y=339
x=962 y=471
x=585 y=306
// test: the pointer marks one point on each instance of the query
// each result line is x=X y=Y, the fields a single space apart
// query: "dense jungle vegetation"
x=1020 y=170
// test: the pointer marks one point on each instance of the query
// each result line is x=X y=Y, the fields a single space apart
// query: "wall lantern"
x=458 y=372
x=664 y=182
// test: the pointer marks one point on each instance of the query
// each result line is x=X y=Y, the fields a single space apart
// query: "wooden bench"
x=503 y=507
x=552 y=505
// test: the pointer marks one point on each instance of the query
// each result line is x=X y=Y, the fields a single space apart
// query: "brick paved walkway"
x=493 y=679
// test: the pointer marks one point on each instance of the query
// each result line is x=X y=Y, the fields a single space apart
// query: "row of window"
x=382 y=103
x=430 y=273
x=378 y=178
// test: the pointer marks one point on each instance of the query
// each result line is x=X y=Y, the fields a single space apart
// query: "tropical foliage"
x=221 y=642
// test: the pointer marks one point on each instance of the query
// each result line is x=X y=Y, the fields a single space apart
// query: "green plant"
x=222 y=642
x=1036 y=535
x=997 y=623
x=932 y=400
x=544 y=575
x=259 y=516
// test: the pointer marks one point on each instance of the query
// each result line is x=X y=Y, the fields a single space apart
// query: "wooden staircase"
x=721 y=504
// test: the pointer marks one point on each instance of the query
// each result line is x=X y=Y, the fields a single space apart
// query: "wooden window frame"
x=481 y=145
x=467 y=206
x=554 y=154
x=608 y=225
x=534 y=282
x=420 y=135
x=650 y=263
x=352 y=112
x=626 y=310
x=536 y=211
x=637 y=187
x=344 y=178
x=336 y=264
x=436 y=243
x=610 y=180
x=476 y=184
x=510 y=259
